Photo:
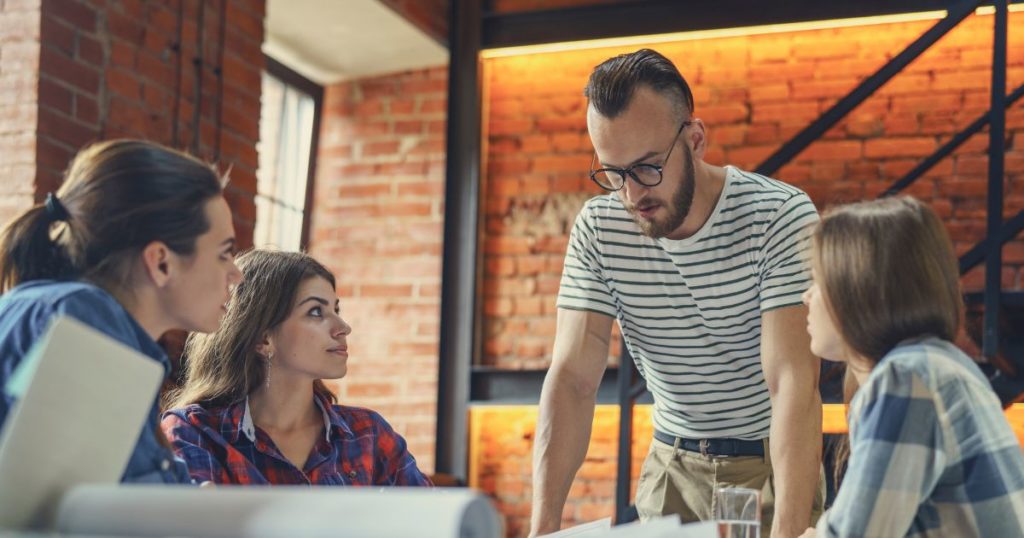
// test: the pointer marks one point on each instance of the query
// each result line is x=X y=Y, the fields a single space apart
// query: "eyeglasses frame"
x=628 y=171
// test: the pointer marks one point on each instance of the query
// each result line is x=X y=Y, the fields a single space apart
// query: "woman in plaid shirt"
x=253 y=408
x=931 y=453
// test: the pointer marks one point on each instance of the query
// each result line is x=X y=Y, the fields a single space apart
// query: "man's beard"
x=678 y=207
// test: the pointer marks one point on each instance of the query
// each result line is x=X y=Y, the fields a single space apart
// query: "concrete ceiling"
x=329 y=41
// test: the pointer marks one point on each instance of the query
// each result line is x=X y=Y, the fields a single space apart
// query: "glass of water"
x=738 y=512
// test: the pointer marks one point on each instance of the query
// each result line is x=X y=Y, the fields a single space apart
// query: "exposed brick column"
x=79 y=71
x=19 y=75
x=377 y=222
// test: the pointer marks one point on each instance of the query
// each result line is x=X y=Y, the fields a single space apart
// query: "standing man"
x=703 y=267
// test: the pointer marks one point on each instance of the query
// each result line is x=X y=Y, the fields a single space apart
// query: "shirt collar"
x=232 y=419
x=332 y=419
x=247 y=427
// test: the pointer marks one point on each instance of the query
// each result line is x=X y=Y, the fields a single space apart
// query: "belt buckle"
x=703 y=447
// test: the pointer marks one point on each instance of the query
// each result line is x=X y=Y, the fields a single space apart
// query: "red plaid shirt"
x=358 y=448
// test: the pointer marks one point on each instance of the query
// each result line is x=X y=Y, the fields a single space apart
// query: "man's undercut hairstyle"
x=613 y=82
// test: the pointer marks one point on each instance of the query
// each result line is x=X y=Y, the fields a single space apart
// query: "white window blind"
x=286 y=133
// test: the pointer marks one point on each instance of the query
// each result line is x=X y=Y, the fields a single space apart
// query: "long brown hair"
x=117 y=197
x=887 y=272
x=224 y=367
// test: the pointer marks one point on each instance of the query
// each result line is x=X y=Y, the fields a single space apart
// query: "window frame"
x=315 y=91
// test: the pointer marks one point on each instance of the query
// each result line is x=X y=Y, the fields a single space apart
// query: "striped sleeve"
x=785 y=252
x=583 y=285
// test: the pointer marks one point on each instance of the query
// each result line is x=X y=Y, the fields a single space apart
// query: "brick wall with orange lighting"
x=500 y=462
x=377 y=223
x=753 y=93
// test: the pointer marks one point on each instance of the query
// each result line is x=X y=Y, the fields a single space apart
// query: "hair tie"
x=56 y=210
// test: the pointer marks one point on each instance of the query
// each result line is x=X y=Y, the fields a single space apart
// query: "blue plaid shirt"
x=931 y=452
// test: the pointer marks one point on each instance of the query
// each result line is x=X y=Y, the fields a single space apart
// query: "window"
x=289 y=121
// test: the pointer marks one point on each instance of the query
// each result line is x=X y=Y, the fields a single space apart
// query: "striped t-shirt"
x=690 y=309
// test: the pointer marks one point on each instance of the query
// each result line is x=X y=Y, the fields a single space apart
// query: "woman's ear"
x=265 y=347
x=157 y=259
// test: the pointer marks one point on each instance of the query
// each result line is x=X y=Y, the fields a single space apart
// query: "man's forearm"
x=796 y=459
x=560 y=445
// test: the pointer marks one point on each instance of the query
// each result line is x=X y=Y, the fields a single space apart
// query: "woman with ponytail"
x=137 y=241
x=930 y=453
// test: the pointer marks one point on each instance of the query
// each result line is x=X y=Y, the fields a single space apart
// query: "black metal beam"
x=977 y=254
x=623 y=471
x=1010 y=298
x=461 y=262
x=949 y=146
x=492 y=385
x=649 y=17
x=865 y=89
x=996 y=144
x=639 y=388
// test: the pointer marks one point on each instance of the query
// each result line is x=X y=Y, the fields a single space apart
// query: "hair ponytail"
x=117 y=197
x=29 y=252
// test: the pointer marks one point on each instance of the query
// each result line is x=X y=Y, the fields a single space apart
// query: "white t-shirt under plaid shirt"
x=931 y=452
x=690 y=309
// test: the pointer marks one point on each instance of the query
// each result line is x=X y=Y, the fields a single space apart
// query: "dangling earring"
x=269 y=357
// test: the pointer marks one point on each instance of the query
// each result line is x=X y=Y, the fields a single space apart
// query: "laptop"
x=82 y=399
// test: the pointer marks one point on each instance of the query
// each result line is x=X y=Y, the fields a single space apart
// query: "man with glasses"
x=703 y=267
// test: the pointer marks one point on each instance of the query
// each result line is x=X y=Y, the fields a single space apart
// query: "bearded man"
x=703 y=267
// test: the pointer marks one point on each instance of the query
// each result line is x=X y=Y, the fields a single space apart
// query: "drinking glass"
x=738 y=512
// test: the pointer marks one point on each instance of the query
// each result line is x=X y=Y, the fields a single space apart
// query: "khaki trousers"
x=676 y=481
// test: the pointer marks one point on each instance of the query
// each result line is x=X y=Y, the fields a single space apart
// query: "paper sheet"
x=598 y=527
x=279 y=511
x=83 y=400
x=665 y=527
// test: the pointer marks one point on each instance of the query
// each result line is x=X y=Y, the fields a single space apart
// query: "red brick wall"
x=377 y=223
x=501 y=462
x=19 y=74
x=753 y=93
x=110 y=68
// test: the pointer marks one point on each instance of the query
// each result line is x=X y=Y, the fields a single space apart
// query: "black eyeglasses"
x=648 y=175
